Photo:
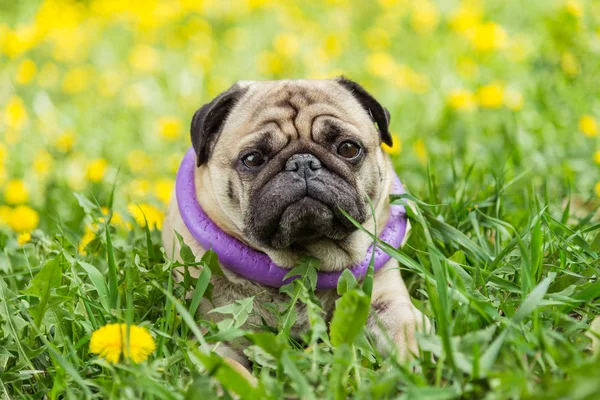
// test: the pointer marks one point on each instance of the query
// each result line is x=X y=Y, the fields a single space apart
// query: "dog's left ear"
x=378 y=113
x=209 y=119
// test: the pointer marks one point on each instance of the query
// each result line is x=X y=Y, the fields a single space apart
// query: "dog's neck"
x=334 y=255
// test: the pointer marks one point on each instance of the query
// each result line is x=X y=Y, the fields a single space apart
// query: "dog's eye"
x=349 y=150
x=253 y=160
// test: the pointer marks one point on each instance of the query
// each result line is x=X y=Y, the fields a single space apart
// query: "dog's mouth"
x=290 y=212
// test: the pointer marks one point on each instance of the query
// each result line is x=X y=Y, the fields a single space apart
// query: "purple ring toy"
x=255 y=265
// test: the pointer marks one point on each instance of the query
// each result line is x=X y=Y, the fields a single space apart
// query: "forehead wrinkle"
x=306 y=116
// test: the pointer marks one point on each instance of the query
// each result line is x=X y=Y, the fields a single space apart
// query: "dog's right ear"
x=209 y=119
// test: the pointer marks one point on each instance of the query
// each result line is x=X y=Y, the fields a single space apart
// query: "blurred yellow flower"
x=139 y=161
x=467 y=67
x=381 y=64
x=173 y=162
x=588 y=125
x=421 y=151
x=574 y=8
x=15 y=114
x=144 y=58
x=77 y=79
x=26 y=72
x=597 y=157
x=396 y=148
x=377 y=39
x=42 y=163
x=5 y=213
x=76 y=172
x=170 y=127
x=597 y=189
x=49 y=75
x=513 y=99
x=467 y=16
x=65 y=141
x=461 y=100
x=110 y=343
x=569 y=64
x=139 y=188
x=23 y=219
x=97 y=169
x=424 y=17
x=24 y=238
x=153 y=215
x=3 y=152
x=489 y=36
x=333 y=45
x=16 y=192
x=86 y=239
x=269 y=63
x=111 y=82
x=491 y=95
x=162 y=189
x=286 y=44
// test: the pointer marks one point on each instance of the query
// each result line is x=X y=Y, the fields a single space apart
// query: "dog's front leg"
x=393 y=316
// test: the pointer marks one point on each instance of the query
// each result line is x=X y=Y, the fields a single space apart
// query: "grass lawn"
x=495 y=108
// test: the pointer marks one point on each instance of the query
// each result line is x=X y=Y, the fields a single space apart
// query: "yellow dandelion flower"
x=163 y=189
x=139 y=188
x=86 y=239
x=139 y=161
x=170 y=127
x=286 y=44
x=77 y=79
x=153 y=215
x=109 y=342
x=270 y=63
x=3 y=152
x=5 y=213
x=23 y=219
x=489 y=36
x=569 y=64
x=377 y=39
x=97 y=169
x=513 y=99
x=424 y=17
x=144 y=58
x=173 y=162
x=65 y=141
x=573 y=7
x=381 y=64
x=597 y=157
x=491 y=95
x=421 y=151
x=25 y=72
x=461 y=100
x=588 y=125
x=15 y=114
x=467 y=16
x=467 y=67
x=42 y=163
x=24 y=238
x=16 y=192
x=49 y=75
x=396 y=147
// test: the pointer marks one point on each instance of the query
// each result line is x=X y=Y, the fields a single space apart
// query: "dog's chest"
x=269 y=302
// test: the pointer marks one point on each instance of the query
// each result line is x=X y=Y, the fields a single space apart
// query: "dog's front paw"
x=402 y=321
x=410 y=321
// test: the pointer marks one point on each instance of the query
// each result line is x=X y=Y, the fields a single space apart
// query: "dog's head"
x=284 y=157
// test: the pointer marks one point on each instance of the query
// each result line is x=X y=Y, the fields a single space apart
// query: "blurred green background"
x=89 y=88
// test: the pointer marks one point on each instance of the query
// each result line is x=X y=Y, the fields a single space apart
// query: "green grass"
x=503 y=255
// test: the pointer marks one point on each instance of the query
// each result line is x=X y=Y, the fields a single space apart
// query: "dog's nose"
x=305 y=165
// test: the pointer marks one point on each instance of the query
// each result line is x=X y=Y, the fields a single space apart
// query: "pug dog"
x=275 y=163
